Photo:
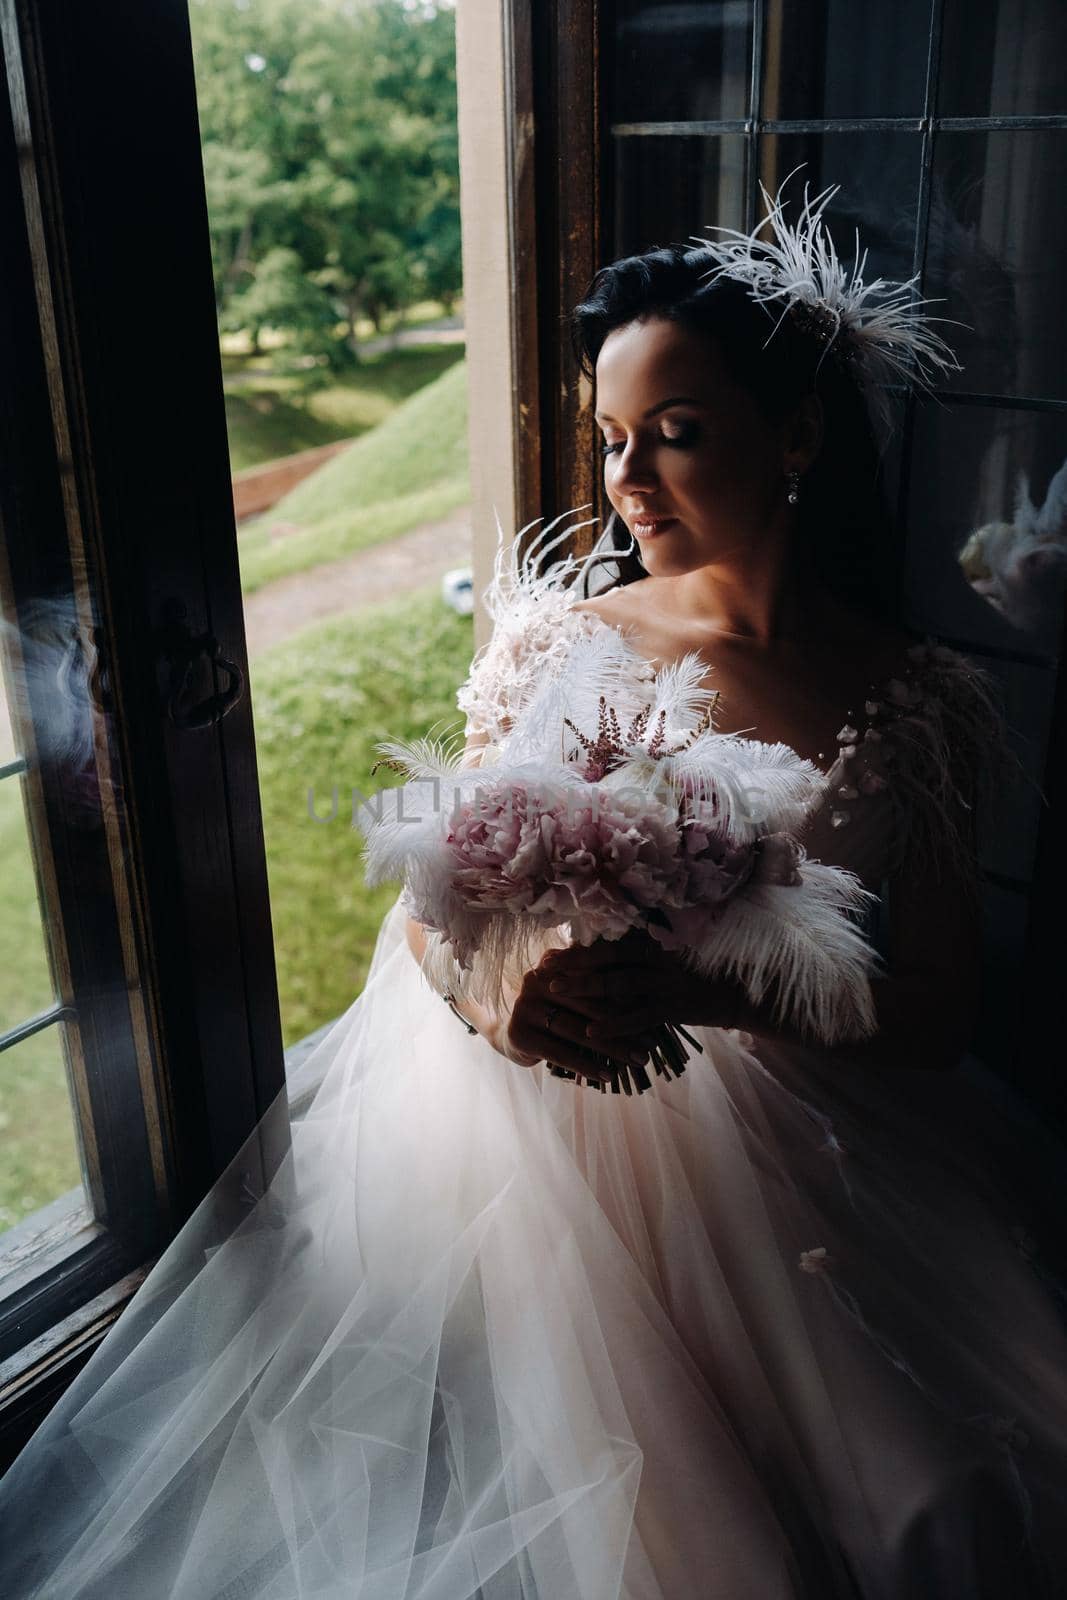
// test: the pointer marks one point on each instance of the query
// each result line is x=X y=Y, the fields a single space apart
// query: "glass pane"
x=8 y=751
x=25 y=978
x=668 y=188
x=682 y=62
x=1010 y=844
x=999 y=1026
x=878 y=174
x=66 y=931
x=39 y=1158
x=987 y=543
x=997 y=240
x=845 y=58
x=1005 y=58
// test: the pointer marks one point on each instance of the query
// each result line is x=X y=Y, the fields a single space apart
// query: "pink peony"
x=603 y=860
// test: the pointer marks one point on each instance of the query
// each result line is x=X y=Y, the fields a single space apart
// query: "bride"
x=453 y=1326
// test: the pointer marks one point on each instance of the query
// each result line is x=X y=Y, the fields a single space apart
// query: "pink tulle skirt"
x=455 y=1330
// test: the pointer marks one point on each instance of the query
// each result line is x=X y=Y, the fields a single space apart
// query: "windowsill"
x=76 y=1335
x=43 y=1239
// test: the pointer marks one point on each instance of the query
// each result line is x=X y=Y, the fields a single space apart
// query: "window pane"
x=878 y=174
x=845 y=58
x=1005 y=58
x=979 y=569
x=668 y=188
x=681 y=62
x=968 y=578
x=66 y=928
x=8 y=751
x=1000 y=1024
x=997 y=241
x=1028 y=692
x=25 y=978
x=39 y=1158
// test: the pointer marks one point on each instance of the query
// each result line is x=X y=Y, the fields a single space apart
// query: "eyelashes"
x=689 y=433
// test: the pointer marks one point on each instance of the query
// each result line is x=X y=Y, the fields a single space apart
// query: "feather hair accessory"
x=876 y=329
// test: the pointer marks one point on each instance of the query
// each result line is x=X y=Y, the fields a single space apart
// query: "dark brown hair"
x=842 y=516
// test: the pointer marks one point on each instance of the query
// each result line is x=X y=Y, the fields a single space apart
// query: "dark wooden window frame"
x=126 y=506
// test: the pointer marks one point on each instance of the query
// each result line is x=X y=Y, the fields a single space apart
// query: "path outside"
x=413 y=561
x=282 y=608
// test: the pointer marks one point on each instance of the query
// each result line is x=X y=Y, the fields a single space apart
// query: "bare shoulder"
x=619 y=605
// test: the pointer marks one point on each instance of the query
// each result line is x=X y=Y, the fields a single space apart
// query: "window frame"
x=100 y=171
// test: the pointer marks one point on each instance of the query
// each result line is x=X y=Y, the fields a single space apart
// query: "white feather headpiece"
x=876 y=328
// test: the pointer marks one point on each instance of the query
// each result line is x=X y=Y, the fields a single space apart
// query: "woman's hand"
x=546 y=1025
x=615 y=992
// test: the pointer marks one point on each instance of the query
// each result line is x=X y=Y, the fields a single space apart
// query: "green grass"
x=38 y=1154
x=321 y=702
x=353 y=500
x=273 y=413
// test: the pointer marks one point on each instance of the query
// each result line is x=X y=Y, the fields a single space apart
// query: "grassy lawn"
x=38 y=1156
x=272 y=413
x=353 y=500
x=321 y=703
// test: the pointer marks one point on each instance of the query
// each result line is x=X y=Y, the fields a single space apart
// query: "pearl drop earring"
x=793 y=480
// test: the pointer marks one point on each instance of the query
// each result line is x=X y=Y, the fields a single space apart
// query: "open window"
x=146 y=991
x=128 y=780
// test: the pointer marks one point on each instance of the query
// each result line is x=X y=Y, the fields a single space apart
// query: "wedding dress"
x=451 y=1329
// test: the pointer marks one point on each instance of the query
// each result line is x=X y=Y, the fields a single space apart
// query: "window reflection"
x=1005 y=58
x=997 y=240
x=878 y=174
x=682 y=62
x=39 y=1157
x=986 y=555
x=845 y=58
x=1009 y=846
x=69 y=1064
x=8 y=753
x=1000 y=1005
x=658 y=182
x=25 y=978
x=1018 y=563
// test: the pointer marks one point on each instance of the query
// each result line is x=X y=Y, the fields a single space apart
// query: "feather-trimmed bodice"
x=910 y=764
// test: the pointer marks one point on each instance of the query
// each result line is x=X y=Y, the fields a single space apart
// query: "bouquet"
x=611 y=804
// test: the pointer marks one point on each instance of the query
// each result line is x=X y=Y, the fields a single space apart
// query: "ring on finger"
x=550 y=1015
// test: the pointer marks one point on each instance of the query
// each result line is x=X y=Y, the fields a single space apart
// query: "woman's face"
x=690 y=464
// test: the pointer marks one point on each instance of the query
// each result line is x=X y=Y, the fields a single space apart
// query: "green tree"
x=282 y=295
x=329 y=135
